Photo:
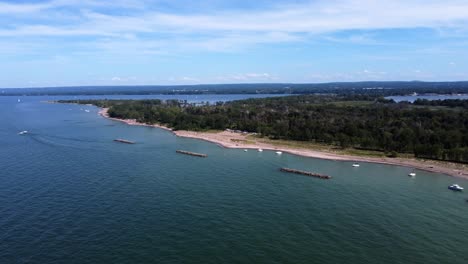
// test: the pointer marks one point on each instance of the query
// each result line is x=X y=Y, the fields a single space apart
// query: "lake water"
x=412 y=98
x=69 y=194
x=205 y=98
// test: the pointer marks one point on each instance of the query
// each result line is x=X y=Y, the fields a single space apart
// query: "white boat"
x=412 y=174
x=456 y=187
x=23 y=132
x=87 y=111
x=355 y=165
x=260 y=150
x=245 y=150
x=19 y=100
x=279 y=152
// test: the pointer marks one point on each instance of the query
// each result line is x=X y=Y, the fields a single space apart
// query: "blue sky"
x=133 y=42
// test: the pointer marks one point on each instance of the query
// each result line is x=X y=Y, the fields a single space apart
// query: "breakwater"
x=192 y=153
x=124 y=141
x=306 y=173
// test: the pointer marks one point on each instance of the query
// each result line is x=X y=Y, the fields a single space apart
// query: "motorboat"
x=23 y=132
x=245 y=150
x=356 y=165
x=279 y=152
x=412 y=174
x=260 y=150
x=456 y=187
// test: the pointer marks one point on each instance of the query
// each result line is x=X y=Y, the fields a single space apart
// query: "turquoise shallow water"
x=68 y=194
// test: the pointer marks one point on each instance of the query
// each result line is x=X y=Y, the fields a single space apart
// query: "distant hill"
x=373 y=88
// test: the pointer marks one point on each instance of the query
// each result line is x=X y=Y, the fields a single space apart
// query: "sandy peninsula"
x=230 y=139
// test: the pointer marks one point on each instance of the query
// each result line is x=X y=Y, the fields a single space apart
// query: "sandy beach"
x=230 y=139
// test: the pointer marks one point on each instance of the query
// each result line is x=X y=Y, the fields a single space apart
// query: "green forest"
x=428 y=129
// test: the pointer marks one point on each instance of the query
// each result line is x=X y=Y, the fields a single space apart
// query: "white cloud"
x=183 y=79
x=228 y=78
x=326 y=16
x=247 y=77
x=45 y=30
x=31 y=8
x=121 y=79
x=8 y=8
x=364 y=75
x=361 y=39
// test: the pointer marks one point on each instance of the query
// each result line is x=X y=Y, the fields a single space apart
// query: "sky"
x=173 y=42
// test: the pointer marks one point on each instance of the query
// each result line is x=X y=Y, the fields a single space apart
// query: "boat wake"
x=67 y=142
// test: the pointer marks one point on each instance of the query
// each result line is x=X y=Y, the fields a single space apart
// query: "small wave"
x=67 y=142
x=74 y=139
x=79 y=143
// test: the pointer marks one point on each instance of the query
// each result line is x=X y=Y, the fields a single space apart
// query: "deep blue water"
x=69 y=194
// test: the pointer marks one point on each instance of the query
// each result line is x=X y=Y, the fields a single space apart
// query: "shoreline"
x=228 y=139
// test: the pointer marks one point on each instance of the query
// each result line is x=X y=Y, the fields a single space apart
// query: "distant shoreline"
x=230 y=139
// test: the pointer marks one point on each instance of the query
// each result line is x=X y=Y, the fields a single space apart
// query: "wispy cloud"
x=225 y=30
x=10 y=8
x=362 y=75
x=360 y=39
x=309 y=17
x=247 y=77
x=31 y=8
